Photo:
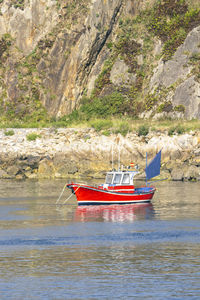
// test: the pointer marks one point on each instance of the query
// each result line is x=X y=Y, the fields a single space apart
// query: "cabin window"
x=117 y=178
x=109 y=178
x=126 y=179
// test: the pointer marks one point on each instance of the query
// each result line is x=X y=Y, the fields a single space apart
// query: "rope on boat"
x=61 y=194
x=70 y=195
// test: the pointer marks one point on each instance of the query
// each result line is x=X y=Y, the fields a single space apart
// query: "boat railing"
x=84 y=183
x=112 y=187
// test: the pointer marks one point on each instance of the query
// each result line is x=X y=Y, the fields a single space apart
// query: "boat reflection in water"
x=114 y=213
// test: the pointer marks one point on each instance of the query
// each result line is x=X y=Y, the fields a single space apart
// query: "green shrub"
x=73 y=117
x=195 y=57
x=176 y=129
x=171 y=131
x=18 y=3
x=103 y=107
x=180 y=129
x=150 y=101
x=9 y=132
x=165 y=107
x=103 y=78
x=5 y=43
x=99 y=125
x=171 y=21
x=180 y=108
x=191 y=18
x=143 y=130
x=109 y=45
x=173 y=43
x=123 y=129
x=106 y=132
x=32 y=136
x=128 y=48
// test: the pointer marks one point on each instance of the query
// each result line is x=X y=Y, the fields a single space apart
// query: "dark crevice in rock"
x=98 y=45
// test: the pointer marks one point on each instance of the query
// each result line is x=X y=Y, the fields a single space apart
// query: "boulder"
x=46 y=168
x=64 y=165
x=33 y=161
x=176 y=154
x=13 y=170
x=196 y=161
x=65 y=169
x=177 y=174
x=3 y=174
x=193 y=173
x=30 y=175
x=29 y=161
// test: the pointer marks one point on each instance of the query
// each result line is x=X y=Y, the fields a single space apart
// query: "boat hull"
x=89 y=195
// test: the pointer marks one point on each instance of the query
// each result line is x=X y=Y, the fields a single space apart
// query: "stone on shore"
x=70 y=153
x=192 y=173
x=46 y=168
x=177 y=174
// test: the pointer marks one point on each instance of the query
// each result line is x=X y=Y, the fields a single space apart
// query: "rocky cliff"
x=55 y=52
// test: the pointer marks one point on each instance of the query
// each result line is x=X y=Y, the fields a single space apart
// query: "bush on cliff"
x=113 y=104
x=99 y=107
x=171 y=21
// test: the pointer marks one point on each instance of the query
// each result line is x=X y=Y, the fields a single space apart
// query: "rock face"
x=120 y=76
x=167 y=73
x=29 y=22
x=67 y=153
x=83 y=47
x=53 y=52
x=178 y=72
x=188 y=94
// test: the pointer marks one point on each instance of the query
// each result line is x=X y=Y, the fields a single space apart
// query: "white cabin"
x=120 y=178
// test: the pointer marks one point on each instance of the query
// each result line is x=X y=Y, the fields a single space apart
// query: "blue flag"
x=153 y=168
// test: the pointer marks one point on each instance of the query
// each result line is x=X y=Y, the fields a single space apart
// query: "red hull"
x=89 y=195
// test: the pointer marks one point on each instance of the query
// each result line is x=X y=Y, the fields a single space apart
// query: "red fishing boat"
x=118 y=187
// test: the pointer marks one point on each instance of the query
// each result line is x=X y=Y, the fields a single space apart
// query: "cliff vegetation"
x=81 y=60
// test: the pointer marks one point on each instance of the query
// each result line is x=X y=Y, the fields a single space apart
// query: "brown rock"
x=193 y=173
x=46 y=169
x=3 y=174
x=177 y=174
x=13 y=170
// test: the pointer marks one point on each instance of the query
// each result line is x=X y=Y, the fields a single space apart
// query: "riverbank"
x=77 y=153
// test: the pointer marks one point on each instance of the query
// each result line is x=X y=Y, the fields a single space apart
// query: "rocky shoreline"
x=78 y=153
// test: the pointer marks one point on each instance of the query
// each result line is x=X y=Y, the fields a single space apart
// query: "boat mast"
x=112 y=156
x=119 y=157
x=146 y=167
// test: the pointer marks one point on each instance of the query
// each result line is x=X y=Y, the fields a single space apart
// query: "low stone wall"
x=76 y=153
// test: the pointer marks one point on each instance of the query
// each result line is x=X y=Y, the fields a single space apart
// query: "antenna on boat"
x=119 y=157
x=112 y=156
x=146 y=167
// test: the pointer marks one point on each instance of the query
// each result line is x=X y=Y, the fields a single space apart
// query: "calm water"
x=49 y=251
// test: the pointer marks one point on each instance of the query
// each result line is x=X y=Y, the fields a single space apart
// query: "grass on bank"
x=112 y=125
x=32 y=136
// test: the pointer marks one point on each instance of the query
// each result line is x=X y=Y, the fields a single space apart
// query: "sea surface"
x=55 y=251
